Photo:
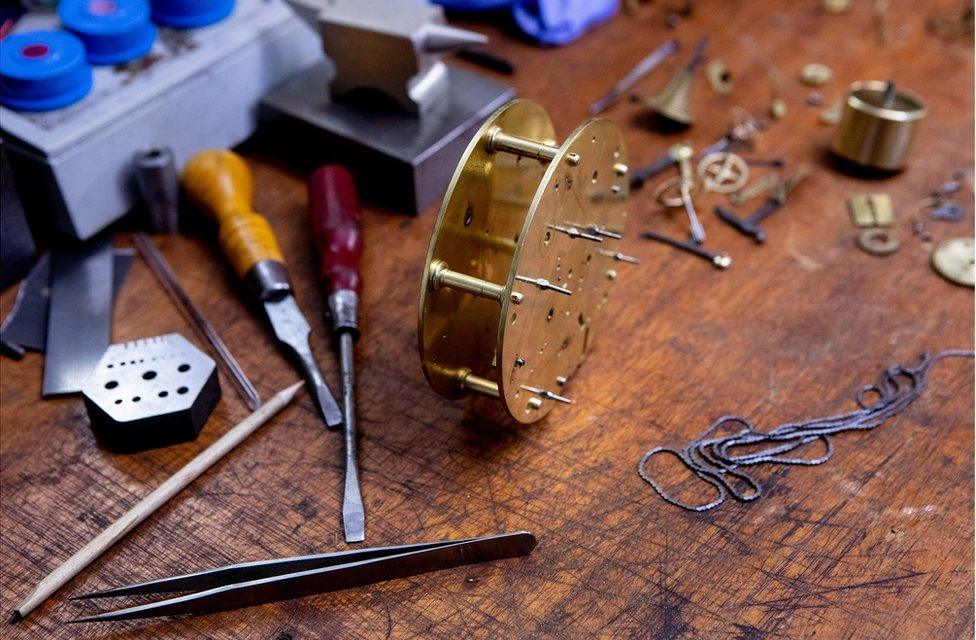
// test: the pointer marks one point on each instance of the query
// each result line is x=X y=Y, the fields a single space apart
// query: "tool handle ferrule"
x=337 y=227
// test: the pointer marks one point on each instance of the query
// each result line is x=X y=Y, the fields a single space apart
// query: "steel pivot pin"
x=507 y=238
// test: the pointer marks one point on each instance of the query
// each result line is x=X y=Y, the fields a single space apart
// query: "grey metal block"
x=399 y=160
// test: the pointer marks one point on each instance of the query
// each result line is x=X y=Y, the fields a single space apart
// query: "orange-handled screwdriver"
x=220 y=183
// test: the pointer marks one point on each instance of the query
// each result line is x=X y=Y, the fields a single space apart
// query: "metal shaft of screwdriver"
x=164 y=274
x=353 y=514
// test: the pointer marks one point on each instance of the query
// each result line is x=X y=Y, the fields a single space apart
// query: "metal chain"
x=712 y=457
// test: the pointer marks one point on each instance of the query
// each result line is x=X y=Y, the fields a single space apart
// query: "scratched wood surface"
x=878 y=543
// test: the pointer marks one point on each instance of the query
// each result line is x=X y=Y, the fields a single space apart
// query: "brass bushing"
x=876 y=132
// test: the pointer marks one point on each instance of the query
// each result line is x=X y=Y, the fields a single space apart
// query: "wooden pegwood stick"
x=84 y=556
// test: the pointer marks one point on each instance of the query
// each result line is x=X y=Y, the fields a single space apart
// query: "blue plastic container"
x=190 y=14
x=43 y=70
x=113 y=31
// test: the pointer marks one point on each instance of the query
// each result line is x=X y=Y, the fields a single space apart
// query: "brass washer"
x=878 y=241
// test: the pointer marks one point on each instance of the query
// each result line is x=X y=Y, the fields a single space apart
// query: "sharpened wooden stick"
x=192 y=470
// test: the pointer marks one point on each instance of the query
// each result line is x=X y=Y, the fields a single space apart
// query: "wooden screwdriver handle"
x=337 y=226
x=220 y=182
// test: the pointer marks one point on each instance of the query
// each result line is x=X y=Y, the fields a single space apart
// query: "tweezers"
x=252 y=583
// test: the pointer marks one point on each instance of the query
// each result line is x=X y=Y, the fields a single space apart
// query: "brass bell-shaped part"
x=672 y=104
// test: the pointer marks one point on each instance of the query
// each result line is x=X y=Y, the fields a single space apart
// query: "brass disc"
x=955 y=260
x=476 y=233
x=544 y=338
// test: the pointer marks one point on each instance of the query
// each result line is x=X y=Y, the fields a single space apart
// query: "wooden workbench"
x=877 y=543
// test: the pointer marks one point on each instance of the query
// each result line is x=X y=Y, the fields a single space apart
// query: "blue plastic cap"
x=113 y=31
x=190 y=14
x=43 y=70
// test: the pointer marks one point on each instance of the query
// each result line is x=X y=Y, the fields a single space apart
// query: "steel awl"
x=220 y=182
x=337 y=221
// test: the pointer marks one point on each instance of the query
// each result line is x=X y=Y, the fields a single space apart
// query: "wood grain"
x=878 y=543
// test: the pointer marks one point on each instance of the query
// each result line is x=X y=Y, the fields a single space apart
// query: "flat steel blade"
x=79 y=317
x=292 y=330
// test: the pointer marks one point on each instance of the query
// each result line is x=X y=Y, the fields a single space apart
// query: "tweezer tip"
x=355 y=536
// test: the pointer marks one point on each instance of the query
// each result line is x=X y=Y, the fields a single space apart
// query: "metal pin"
x=718 y=260
x=619 y=257
x=544 y=284
x=682 y=154
x=620 y=169
x=561 y=380
x=575 y=232
x=548 y=395
x=758 y=187
x=598 y=230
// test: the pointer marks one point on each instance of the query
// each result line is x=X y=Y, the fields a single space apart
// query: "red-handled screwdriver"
x=337 y=227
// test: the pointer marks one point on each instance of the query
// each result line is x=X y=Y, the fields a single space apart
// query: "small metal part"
x=253 y=583
x=777 y=105
x=79 y=320
x=878 y=126
x=815 y=99
x=159 y=185
x=879 y=20
x=168 y=280
x=575 y=232
x=718 y=260
x=597 y=230
x=832 y=114
x=544 y=284
x=719 y=77
x=871 y=210
x=815 y=74
x=758 y=187
x=672 y=105
x=955 y=260
x=723 y=172
x=683 y=153
x=151 y=393
x=641 y=69
x=878 y=241
x=837 y=6
x=750 y=225
x=547 y=395
x=620 y=257
x=948 y=212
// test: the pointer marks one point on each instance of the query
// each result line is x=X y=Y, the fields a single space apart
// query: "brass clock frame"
x=521 y=259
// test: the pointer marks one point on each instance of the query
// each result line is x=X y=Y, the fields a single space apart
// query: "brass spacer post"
x=500 y=141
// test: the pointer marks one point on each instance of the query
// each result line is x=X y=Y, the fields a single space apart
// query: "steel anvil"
x=384 y=102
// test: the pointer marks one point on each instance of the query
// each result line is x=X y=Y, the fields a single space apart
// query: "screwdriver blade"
x=292 y=330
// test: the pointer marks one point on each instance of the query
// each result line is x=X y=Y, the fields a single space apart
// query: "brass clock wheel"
x=522 y=258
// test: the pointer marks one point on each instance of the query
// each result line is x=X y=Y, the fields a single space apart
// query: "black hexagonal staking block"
x=150 y=393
